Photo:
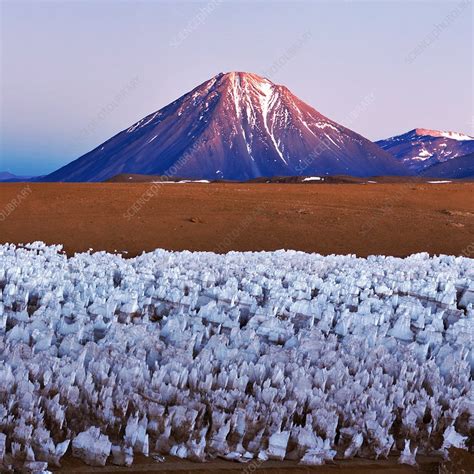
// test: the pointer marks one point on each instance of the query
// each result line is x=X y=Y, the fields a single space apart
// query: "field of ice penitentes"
x=272 y=355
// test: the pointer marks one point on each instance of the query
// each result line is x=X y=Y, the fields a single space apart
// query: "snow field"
x=271 y=355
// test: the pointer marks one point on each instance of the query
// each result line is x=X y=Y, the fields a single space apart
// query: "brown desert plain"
x=390 y=218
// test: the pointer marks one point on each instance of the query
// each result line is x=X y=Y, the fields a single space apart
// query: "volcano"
x=235 y=126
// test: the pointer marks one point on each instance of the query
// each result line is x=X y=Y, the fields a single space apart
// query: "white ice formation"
x=271 y=355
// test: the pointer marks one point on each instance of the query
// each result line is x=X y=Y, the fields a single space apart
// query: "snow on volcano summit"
x=270 y=355
x=237 y=126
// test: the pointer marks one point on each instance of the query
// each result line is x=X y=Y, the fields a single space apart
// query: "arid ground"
x=460 y=460
x=391 y=218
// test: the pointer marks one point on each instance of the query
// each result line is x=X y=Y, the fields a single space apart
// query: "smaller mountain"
x=457 y=168
x=421 y=148
x=6 y=176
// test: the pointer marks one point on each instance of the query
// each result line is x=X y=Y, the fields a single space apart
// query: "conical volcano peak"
x=244 y=82
x=236 y=125
x=236 y=85
x=246 y=77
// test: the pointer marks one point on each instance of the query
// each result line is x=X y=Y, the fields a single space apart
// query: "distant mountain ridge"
x=420 y=149
x=6 y=176
x=234 y=126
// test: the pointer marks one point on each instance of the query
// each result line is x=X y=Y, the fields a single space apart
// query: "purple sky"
x=74 y=73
